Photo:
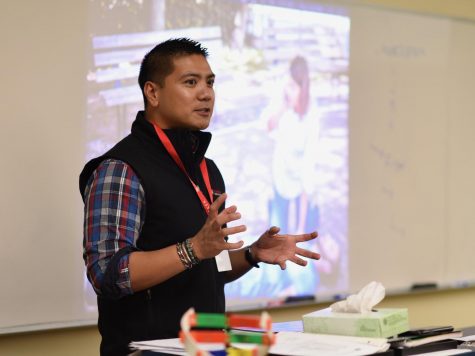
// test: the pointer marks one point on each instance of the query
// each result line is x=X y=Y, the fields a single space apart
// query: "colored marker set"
x=199 y=330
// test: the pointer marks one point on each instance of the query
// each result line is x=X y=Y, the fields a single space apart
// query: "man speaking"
x=155 y=222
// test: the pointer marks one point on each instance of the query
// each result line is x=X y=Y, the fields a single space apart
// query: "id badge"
x=223 y=261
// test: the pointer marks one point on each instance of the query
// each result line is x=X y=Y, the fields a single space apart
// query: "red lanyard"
x=204 y=169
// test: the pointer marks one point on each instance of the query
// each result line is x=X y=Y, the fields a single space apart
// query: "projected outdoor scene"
x=279 y=127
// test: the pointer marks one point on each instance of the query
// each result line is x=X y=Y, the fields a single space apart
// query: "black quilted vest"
x=173 y=213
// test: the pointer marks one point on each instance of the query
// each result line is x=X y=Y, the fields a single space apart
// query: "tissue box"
x=380 y=323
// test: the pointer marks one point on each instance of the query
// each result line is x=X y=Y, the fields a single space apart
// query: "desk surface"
x=297 y=326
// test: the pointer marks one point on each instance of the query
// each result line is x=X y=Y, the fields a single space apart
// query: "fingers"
x=225 y=218
x=221 y=221
x=297 y=260
x=219 y=224
x=273 y=230
x=229 y=210
x=282 y=265
x=227 y=215
x=307 y=253
x=233 y=230
x=214 y=208
x=233 y=245
x=306 y=237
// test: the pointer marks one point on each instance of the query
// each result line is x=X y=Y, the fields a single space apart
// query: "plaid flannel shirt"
x=114 y=213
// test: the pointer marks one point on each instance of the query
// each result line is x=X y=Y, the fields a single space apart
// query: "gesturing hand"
x=277 y=249
x=210 y=240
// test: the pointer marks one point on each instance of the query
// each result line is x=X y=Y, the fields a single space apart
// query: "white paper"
x=223 y=261
x=171 y=346
x=305 y=344
x=175 y=346
x=466 y=338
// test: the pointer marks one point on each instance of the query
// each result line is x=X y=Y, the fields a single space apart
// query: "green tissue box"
x=380 y=323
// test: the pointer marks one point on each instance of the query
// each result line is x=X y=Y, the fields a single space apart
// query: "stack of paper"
x=287 y=343
x=303 y=344
x=169 y=346
x=175 y=347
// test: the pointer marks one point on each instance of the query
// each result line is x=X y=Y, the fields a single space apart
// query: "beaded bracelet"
x=187 y=254
x=191 y=253
x=180 y=249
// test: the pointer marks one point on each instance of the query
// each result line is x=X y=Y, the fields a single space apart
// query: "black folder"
x=434 y=346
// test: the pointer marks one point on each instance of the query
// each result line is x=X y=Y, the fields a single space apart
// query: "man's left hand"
x=276 y=249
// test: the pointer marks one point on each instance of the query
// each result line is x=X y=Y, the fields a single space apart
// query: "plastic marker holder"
x=250 y=338
x=216 y=328
x=208 y=321
x=249 y=321
x=208 y=336
x=239 y=352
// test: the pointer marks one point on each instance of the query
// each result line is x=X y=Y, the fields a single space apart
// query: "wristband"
x=249 y=258
x=191 y=253
x=184 y=258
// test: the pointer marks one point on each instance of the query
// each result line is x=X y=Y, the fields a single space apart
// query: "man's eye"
x=190 y=82
x=211 y=82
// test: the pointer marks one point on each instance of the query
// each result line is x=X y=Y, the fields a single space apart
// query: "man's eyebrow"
x=196 y=75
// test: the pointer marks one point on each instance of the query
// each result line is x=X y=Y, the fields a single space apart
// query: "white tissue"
x=363 y=302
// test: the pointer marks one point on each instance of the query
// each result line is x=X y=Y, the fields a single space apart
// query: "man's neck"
x=153 y=118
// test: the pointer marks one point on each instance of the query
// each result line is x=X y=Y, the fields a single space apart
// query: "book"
x=428 y=331
x=413 y=341
x=437 y=347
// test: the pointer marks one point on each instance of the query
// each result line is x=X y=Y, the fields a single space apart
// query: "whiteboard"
x=460 y=241
x=410 y=154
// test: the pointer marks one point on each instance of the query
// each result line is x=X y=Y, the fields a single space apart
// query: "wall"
x=28 y=29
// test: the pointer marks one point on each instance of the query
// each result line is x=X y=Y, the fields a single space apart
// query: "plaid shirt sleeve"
x=114 y=212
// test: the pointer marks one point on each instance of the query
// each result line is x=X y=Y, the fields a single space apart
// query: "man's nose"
x=206 y=93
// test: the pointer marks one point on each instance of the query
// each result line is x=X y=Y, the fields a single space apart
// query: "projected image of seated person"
x=293 y=123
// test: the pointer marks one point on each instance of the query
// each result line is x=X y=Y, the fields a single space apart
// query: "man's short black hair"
x=158 y=63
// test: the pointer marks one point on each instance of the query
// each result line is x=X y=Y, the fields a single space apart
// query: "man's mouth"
x=203 y=111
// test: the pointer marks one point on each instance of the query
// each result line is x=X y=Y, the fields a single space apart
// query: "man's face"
x=187 y=98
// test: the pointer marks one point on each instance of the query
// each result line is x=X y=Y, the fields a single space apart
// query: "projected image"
x=279 y=127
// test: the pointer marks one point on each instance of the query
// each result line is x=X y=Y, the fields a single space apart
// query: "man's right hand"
x=211 y=239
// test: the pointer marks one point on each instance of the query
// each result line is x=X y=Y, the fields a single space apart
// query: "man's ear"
x=151 y=92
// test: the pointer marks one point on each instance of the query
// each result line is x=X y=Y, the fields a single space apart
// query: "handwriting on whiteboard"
x=403 y=51
x=387 y=158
